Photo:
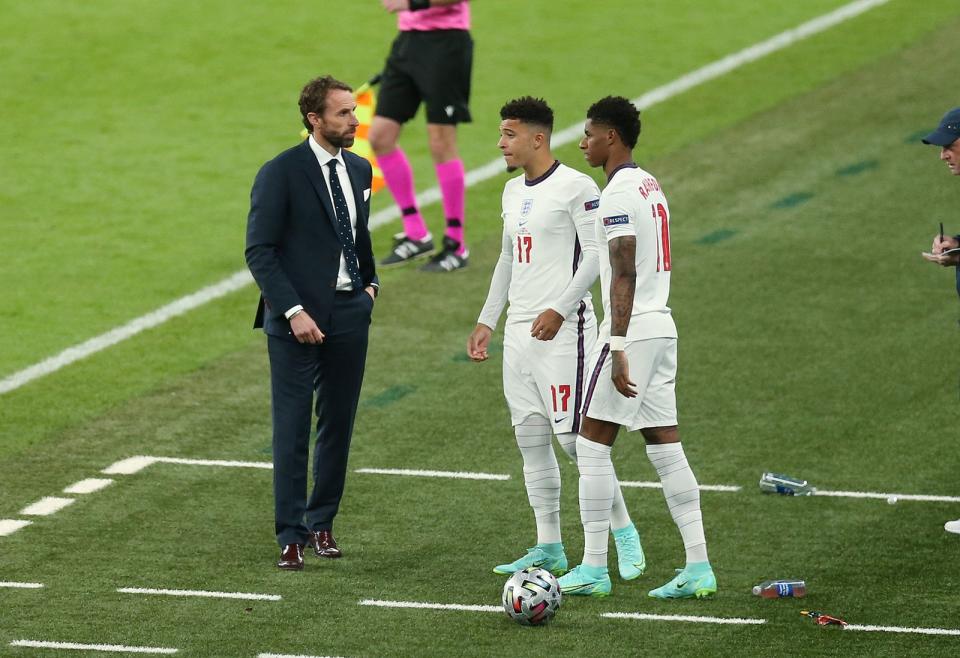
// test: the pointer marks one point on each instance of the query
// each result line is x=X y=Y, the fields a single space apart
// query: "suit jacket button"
x=333 y=285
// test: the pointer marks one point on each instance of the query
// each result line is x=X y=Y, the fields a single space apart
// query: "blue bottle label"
x=784 y=589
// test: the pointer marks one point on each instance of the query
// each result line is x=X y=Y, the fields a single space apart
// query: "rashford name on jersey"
x=633 y=204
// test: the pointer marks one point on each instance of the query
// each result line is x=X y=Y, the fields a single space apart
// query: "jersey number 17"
x=524 y=245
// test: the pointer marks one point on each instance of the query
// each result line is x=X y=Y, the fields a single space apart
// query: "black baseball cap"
x=948 y=131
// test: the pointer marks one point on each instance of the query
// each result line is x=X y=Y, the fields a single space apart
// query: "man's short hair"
x=313 y=98
x=620 y=114
x=528 y=109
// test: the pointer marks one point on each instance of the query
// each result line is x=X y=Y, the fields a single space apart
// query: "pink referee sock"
x=450 y=174
x=399 y=176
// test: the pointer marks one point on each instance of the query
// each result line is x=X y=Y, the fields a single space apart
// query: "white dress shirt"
x=323 y=157
x=343 y=279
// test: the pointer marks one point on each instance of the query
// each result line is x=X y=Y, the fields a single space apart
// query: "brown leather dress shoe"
x=324 y=545
x=291 y=557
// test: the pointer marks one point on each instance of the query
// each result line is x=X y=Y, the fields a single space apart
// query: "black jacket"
x=292 y=249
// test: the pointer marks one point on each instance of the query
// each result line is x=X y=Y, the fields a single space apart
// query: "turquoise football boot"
x=630 y=557
x=586 y=581
x=546 y=556
x=694 y=581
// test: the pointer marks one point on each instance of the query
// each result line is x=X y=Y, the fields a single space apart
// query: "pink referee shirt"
x=444 y=17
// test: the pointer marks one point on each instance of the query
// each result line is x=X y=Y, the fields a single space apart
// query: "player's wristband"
x=417 y=5
x=617 y=343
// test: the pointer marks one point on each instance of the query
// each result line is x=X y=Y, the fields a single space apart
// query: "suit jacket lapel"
x=315 y=174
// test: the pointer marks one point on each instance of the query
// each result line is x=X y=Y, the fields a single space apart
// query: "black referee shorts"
x=431 y=67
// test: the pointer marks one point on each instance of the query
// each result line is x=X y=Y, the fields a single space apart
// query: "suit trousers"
x=325 y=378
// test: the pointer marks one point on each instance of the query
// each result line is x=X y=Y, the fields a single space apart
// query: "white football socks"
x=541 y=474
x=619 y=517
x=683 y=496
x=597 y=486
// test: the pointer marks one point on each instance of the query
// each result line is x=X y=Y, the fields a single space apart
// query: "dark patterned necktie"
x=344 y=229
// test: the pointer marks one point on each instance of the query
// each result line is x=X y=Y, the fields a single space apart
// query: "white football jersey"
x=633 y=204
x=541 y=222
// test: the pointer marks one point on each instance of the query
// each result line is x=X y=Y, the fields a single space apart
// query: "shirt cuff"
x=376 y=289
x=293 y=311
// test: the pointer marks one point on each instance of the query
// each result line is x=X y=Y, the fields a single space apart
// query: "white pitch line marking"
x=129 y=466
x=200 y=593
x=10 y=526
x=152 y=319
x=703 y=487
x=238 y=280
x=462 y=475
x=290 y=655
x=46 y=506
x=902 y=629
x=213 y=462
x=88 y=486
x=115 y=648
x=431 y=606
x=688 y=618
x=22 y=585
x=885 y=496
x=138 y=463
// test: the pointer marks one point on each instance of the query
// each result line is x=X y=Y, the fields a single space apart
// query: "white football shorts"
x=547 y=377
x=653 y=368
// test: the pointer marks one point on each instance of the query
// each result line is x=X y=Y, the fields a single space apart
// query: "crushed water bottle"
x=785 y=485
x=822 y=619
x=778 y=589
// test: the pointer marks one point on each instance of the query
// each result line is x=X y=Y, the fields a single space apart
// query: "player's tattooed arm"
x=623 y=264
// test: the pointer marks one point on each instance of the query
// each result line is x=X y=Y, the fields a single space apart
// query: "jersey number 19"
x=663 y=232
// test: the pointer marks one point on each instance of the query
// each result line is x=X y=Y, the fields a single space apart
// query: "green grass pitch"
x=813 y=340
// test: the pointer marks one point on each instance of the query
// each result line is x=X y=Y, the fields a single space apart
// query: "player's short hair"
x=313 y=97
x=528 y=109
x=620 y=114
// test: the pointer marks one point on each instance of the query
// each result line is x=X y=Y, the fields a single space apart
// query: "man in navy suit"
x=308 y=248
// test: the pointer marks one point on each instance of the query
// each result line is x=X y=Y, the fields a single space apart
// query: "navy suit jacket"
x=292 y=249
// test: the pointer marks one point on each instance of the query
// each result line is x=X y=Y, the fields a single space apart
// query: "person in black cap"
x=947 y=137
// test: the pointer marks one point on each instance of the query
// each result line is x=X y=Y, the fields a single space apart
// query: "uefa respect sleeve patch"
x=593 y=204
x=616 y=220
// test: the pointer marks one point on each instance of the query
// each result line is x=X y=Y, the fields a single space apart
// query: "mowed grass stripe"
x=240 y=279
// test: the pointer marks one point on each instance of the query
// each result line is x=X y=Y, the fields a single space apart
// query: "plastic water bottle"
x=778 y=589
x=785 y=485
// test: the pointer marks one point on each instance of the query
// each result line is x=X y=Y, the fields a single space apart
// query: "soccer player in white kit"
x=547 y=264
x=634 y=365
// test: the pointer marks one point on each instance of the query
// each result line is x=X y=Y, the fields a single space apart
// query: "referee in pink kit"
x=430 y=62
